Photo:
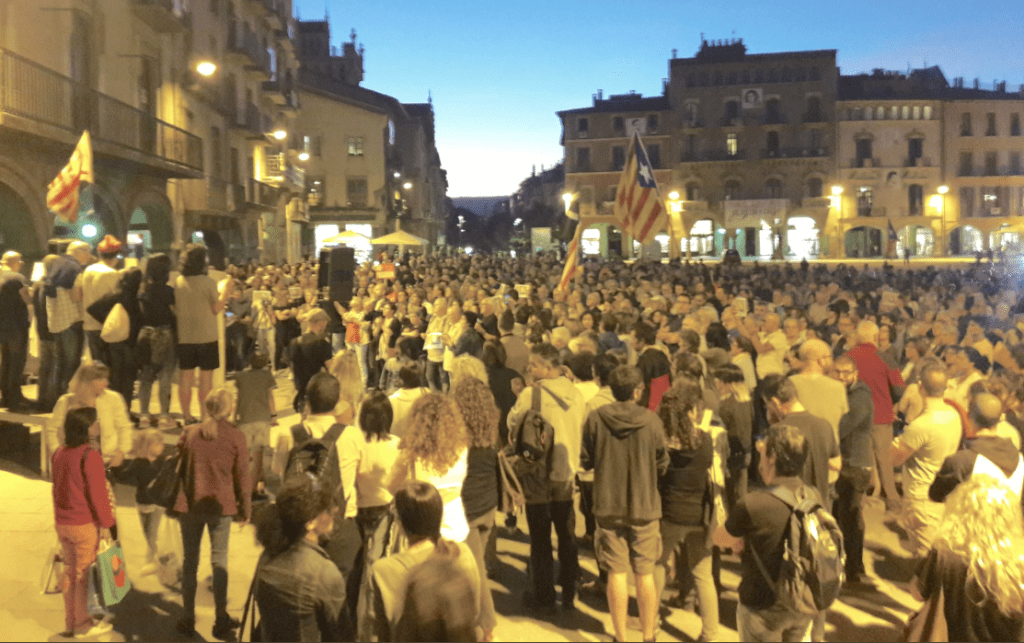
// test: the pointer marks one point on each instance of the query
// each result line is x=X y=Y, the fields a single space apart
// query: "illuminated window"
x=927 y=112
x=357 y=192
x=316 y=191
x=355 y=145
x=731 y=145
x=590 y=241
x=917 y=112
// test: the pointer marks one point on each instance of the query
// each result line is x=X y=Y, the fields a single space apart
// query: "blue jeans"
x=151 y=373
x=192 y=526
x=69 y=355
x=47 y=377
x=151 y=529
x=771 y=624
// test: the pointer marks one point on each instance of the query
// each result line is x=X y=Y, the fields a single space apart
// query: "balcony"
x=280 y=91
x=919 y=161
x=262 y=195
x=794 y=153
x=816 y=202
x=693 y=206
x=244 y=48
x=251 y=120
x=38 y=101
x=712 y=157
x=281 y=174
x=866 y=162
x=163 y=16
x=207 y=196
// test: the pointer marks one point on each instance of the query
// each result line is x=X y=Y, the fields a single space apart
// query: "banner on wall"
x=749 y=213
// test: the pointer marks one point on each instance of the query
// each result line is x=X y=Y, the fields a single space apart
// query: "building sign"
x=750 y=213
x=636 y=126
x=753 y=98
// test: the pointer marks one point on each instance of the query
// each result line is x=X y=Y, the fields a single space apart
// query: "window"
x=690 y=151
x=917 y=112
x=618 y=125
x=618 y=157
x=215 y=7
x=1015 y=163
x=915 y=199
x=307 y=143
x=990 y=120
x=773 y=111
x=966 y=163
x=316 y=191
x=880 y=114
x=732 y=190
x=692 y=191
x=772 y=144
x=216 y=160
x=814 y=188
x=965 y=124
x=894 y=113
x=318 y=145
x=690 y=111
x=355 y=145
x=865 y=199
x=869 y=114
x=773 y=189
x=590 y=241
x=583 y=127
x=732 y=111
x=582 y=159
x=813 y=109
x=990 y=164
x=731 y=145
x=357 y=192
x=815 y=139
x=906 y=112
x=864 y=155
x=967 y=202
x=994 y=201
x=654 y=155
x=652 y=124
x=915 y=149
x=1014 y=124
x=927 y=112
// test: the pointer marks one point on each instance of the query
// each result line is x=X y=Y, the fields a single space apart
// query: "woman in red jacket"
x=80 y=506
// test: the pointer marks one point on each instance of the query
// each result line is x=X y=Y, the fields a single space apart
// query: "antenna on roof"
x=430 y=99
x=327 y=13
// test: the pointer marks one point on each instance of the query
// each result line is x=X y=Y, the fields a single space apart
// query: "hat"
x=109 y=245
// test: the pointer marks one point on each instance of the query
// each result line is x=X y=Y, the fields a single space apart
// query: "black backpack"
x=317 y=458
x=531 y=446
x=813 y=560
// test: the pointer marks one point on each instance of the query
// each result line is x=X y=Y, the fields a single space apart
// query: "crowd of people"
x=676 y=404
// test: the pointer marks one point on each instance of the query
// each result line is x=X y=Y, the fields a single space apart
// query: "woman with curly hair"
x=435 y=449
x=345 y=368
x=977 y=563
x=480 y=491
x=683 y=488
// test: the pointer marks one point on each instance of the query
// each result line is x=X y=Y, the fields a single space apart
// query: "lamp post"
x=943 y=189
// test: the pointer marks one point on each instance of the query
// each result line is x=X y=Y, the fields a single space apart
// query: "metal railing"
x=794 y=152
x=718 y=155
x=262 y=193
x=39 y=94
x=209 y=195
x=243 y=39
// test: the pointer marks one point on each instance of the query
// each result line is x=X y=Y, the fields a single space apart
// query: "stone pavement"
x=874 y=611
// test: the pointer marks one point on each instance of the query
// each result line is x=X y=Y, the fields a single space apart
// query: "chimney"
x=977 y=84
x=674 y=52
x=600 y=94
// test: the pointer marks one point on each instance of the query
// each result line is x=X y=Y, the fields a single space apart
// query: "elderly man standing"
x=880 y=379
x=14 y=325
x=63 y=292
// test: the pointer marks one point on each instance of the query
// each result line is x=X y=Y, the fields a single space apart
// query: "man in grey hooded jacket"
x=625 y=445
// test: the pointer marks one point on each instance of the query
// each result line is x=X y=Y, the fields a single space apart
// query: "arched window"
x=880 y=113
x=814 y=188
x=894 y=113
x=732 y=190
x=773 y=189
x=917 y=112
x=927 y=112
x=906 y=112
x=772 y=144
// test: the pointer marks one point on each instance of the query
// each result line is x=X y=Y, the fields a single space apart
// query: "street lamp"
x=943 y=189
x=567 y=197
x=407 y=185
x=303 y=156
x=280 y=134
x=206 y=68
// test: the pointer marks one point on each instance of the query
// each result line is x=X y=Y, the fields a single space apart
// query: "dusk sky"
x=498 y=72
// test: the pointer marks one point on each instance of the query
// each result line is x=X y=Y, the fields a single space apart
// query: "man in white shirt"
x=923 y=447
x=771 y=346
x=820 y=394
x=97 y=280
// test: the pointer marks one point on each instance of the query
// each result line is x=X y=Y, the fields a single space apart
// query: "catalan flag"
x=639 y=208
x=62 y=193
x=572 y=260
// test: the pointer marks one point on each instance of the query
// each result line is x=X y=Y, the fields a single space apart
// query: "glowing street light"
x=943 y=189
x=280 y=134
x=89 y=231
x=206 y=68
x=673 y=195
x=407 y=185
x=837 y=190
x=303 y=156
x=567 y=197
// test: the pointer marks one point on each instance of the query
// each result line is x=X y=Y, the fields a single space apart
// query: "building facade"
x=780 y=156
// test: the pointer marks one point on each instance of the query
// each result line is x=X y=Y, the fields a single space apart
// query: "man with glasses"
x=858 y=461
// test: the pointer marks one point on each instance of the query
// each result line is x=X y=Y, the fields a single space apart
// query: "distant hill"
x=482 y=206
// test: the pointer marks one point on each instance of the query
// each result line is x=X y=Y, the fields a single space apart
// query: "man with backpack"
x=545 y=435
x=625 y=445
x=792 y=548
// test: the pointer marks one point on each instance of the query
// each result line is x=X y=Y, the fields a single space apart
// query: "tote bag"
x=116 y=326
x=110 y=576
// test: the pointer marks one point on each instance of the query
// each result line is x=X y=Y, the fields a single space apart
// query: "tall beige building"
x=779 y=155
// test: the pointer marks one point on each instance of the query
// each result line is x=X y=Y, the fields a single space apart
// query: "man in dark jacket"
x=309 y=353
x=652 y=363
x=625 y=440
x=989 y=453
x=858 y=460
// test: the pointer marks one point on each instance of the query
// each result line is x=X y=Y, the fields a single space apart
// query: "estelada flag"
x=639 y=209
x=62 y=193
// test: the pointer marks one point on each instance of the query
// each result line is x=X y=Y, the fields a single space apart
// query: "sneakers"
x=97 y=628
x=226 y=629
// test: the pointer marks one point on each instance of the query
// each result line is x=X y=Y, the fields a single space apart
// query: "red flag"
x=62 y=193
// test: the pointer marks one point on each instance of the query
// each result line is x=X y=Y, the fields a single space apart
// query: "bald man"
x=925 y=444
x=991 y=452
x=820 y=394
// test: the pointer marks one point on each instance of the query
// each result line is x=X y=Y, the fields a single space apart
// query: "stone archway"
x=151 y=220
x=33 y=222
x=965 y=240
x=864 y=242
x=14 y=233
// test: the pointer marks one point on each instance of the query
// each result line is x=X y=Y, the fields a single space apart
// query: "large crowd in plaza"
x=678 y=410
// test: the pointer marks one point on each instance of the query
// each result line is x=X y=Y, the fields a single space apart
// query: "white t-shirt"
x=771 y=362
x=933 y=437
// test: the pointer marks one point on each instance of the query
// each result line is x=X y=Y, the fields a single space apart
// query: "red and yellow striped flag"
x=572 y=259
x=638 y=205
x=62 y=193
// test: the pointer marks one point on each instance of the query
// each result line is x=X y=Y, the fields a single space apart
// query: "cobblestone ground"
x=873 y=611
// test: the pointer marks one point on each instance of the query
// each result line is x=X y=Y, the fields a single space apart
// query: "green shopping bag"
x=110 y=574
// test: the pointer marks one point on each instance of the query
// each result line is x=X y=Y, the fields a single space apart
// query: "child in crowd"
x=256 y=413
x=148 y=461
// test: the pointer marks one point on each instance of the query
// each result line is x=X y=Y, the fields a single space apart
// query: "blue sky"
x=498 y=72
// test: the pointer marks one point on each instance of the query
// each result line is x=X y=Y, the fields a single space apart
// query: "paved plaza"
x=873 y=611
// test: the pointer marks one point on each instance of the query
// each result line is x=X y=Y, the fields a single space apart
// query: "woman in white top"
x=88 y=388
x=435 y=449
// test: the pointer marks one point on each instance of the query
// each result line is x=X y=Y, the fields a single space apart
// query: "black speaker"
x=337 y=272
